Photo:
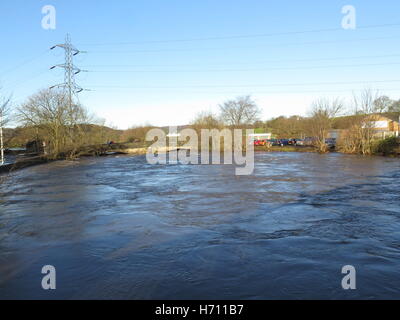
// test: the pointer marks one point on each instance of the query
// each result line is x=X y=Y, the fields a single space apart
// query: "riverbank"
x=285 y=149
x=386 y=148
x=135 y=149
x=92 y=151
x=23 y=163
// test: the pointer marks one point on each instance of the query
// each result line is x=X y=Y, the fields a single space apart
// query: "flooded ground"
x=120 y=228
x=9 y=159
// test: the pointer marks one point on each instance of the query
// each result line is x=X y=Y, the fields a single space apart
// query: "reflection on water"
x=120 y=228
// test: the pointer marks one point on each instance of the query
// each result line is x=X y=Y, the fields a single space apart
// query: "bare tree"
x=239 y=112
x=363 y=128
x=206 y=120
x=382 y=104
x=322 y=113
x=359 y=136
x=57 y=121
x=364 y=103
x=5 y=111
x=4 y=118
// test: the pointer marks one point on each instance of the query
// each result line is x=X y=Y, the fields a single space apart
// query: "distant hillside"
x=179 y=128
x=107 y=130
x=18 y=137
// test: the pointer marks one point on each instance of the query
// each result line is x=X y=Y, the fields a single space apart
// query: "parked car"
x=274 y=142
x=300 y=142
x=260 y=142
x=284 y=142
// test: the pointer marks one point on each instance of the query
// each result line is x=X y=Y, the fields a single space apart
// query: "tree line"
x=66 y=128
x=355 y=118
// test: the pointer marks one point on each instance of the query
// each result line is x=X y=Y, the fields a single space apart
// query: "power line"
x=249 y=85
x=254 y=62
x=279 y=92
x=243 y=70
x=25 y=62
x=260 y=35
x=70 y=70
x=246 y=47
x=17 y=83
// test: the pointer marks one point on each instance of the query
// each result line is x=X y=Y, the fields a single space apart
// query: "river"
x=120 y=228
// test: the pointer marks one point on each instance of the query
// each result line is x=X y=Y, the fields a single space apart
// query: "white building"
x=261 y=136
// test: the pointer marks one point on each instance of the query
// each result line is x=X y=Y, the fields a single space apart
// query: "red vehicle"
x=260 y=143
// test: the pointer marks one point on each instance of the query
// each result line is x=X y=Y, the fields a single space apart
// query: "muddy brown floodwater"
x=123 y=229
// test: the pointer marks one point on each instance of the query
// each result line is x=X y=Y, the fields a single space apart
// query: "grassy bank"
x=285 y=149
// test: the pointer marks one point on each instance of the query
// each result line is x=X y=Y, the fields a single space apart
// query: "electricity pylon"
x=69 y=85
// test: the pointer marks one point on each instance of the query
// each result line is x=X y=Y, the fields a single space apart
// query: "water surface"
x=120 y=228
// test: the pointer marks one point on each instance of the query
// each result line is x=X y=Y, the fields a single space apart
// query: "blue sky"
x=138 y=74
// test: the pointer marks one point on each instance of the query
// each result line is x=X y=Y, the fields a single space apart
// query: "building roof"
x=347 y=121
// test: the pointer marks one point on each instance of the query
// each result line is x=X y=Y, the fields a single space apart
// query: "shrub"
x=386 y=146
